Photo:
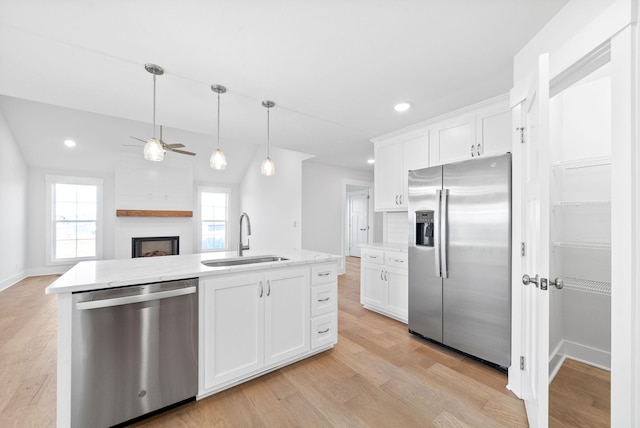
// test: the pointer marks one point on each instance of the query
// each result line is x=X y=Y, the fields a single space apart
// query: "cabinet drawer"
x=396 y=259
x=372 y=256
x=324 y=330
x=323 y=299
x=323 y=274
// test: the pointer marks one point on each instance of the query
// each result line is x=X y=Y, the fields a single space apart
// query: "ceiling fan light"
x=153 y=150
x=268 y=168
x=218 y=160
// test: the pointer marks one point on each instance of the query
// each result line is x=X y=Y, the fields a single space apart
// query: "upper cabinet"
x=483 y=129
x=394 y=158
x=483 y=132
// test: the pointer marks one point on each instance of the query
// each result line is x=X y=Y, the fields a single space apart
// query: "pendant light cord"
x=268 y=131
x=154 y=106
x=218 y=120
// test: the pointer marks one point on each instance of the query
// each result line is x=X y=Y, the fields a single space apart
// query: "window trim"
x=211 y=189
x=52 y=180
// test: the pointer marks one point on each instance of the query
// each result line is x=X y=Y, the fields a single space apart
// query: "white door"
x=358 y=222
x=536 y=169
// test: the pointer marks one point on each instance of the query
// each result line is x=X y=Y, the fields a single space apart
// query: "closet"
x=580 y=312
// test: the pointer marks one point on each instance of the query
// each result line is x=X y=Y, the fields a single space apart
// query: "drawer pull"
x=373 y=257
x=323 y=300
x=327 y=273
x=324 y=331
x=398 y=261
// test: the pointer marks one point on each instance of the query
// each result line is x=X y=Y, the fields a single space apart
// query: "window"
x=75 y=207
x=213 y=219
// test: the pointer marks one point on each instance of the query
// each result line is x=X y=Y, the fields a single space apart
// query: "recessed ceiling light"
x=371 y=161
x=402 y=107
x=69 y=143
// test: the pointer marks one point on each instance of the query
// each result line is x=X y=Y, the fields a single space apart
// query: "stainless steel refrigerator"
x=460 y=256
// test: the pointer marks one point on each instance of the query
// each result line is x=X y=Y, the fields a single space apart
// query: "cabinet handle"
x=324 y=300
x=398 y=261
x=478 y=149
x=385 y=275
x=261 y=289
x=372 y=257
x=396 y=199
x=268 y=288
x=327 y=273
x=401 y=197
x=324 y=331
x=472 y=150
x=382 y=275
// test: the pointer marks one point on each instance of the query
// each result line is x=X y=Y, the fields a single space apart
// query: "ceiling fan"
x=168 y=147
x=154 y=149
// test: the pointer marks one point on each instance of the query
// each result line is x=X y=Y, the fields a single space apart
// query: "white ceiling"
x=334 y=68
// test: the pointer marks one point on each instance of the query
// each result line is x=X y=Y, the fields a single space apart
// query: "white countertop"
x=403 y=248
x=93 y=275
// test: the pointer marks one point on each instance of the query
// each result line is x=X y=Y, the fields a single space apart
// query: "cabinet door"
x=494 y=134
x=453 y=141
x=387 y=173
x=415 y=156
x=233 y=327
x=286 y=314
x=398 y=292
x=372 y=285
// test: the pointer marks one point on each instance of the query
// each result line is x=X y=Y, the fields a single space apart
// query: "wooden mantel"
x=153 y=213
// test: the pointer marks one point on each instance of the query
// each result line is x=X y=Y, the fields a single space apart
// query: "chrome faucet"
x=241 y=247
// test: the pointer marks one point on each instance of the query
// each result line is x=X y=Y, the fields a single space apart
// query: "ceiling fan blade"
x=175 y=145
x=182 y=152
x=139 y=139
x=133 y=145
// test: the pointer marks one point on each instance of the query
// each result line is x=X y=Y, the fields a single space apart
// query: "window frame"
x=51 y=181
x=227 y=193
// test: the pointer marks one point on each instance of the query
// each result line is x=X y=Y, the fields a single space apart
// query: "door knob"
x=526 y=280
x=557 y=283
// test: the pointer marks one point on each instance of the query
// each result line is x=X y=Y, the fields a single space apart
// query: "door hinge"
x=521 y=129
x=522 y=249
x=522 y=362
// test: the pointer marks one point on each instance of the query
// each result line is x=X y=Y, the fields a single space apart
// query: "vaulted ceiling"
x=334 y=68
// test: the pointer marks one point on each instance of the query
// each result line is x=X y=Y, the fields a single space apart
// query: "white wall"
x=323 y=189
x=13 y=209
x=274 y=204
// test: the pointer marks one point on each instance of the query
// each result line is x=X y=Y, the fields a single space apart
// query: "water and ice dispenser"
x=424 y=228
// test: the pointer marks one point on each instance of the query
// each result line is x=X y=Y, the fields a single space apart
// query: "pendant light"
x=218 y=160
x=268 y=168
x=153 y=150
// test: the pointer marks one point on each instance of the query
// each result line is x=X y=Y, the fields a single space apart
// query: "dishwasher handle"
x=127 y=300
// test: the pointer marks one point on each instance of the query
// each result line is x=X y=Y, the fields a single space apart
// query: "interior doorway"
x=580 y=232
x=358 y=219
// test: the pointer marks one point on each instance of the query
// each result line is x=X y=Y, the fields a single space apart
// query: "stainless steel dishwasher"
x=134 y=351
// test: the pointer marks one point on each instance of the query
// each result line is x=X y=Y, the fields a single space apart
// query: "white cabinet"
x=324 y=306
x=453 y=140
x=384 y=282
x=251 y=322
x=394 y=158
x=484 y=132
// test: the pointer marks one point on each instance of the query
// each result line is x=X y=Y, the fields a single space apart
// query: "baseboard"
x=49 y=270
x=14 y=279
x=576 y=351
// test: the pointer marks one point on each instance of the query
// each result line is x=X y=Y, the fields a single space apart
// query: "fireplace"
x=155 y=246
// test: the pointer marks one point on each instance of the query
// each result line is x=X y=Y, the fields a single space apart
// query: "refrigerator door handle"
x=436 y=232
x=443 y=225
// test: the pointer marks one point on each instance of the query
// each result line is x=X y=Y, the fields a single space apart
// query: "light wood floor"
x=378 y=375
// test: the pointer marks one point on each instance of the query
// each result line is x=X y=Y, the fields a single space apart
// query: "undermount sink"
x=242 y=261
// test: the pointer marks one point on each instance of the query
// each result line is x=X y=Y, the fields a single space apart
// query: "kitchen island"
x=252 y=318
